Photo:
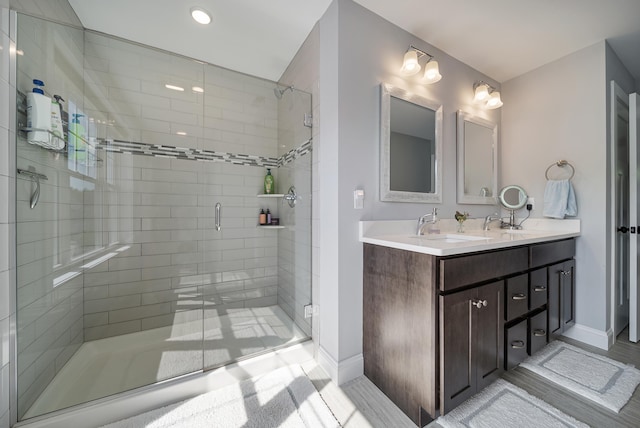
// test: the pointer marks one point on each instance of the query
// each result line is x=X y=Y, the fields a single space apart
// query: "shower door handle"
x=218 y=209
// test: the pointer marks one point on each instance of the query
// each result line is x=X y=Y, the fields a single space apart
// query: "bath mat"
x=282 y=398
x=597 y=378
x=503 y=405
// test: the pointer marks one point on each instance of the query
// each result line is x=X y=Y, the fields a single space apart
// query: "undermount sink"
x=450 y=238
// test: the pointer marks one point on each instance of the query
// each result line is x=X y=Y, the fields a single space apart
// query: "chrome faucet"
x=422 y=221
x=488 y=219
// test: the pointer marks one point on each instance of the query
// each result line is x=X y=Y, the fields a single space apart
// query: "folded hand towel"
x=559 y=199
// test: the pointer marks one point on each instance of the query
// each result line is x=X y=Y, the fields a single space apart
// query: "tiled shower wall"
x=160 y=210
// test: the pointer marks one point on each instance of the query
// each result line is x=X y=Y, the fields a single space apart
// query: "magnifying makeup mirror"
x=512 y=198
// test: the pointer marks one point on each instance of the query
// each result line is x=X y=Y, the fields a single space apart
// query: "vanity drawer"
x=538 y=288
x=516 y=296
x=552 y=252
x=458 y=272
x=537 y=332
x=516 y=344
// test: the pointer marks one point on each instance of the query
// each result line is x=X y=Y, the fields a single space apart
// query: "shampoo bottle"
x=38 y=115
x=262 y=218
x=268 y=216
x=269 y=183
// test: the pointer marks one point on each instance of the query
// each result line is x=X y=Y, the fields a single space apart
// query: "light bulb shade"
x=410 y=66
x=481 y=93
x=494 y=100
x=432 y=72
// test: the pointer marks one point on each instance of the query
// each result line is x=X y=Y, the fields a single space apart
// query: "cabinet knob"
x=539 y=288
x=479 y=303
x=539 y=332
x=519 y=296
x=517 y=344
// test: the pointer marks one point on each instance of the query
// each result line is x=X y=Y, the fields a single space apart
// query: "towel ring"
x=560 y=164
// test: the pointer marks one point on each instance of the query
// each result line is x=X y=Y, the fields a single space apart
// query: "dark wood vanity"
x=438 y=329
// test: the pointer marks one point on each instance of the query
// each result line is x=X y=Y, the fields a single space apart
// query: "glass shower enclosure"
x=139 y=253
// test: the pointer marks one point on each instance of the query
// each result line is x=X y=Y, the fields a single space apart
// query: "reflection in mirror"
x=411 y=143
x=477 y=160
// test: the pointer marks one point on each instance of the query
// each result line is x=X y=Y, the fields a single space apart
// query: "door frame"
x=616 y=93
x=634 y=217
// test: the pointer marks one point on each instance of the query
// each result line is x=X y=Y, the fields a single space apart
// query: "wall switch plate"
x=358 y=199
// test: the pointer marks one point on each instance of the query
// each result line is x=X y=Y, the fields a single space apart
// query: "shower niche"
x=127 y=274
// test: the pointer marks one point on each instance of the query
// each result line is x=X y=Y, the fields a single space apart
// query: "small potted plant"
x=460 y=218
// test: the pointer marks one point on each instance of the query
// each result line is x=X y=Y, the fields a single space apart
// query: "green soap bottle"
x=269 y=183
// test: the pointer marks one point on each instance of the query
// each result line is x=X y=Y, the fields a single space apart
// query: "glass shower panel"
x=50 y=202
x=243 y=315
x=294 y=242
x=144 y=120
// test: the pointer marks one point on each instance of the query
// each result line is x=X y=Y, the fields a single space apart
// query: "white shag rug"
x=504 y=405
x=282 y=398
x=597 y=378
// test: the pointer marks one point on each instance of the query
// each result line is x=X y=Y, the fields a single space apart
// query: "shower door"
x=109 y=289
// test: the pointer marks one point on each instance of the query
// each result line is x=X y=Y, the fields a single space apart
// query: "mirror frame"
x=386 y=194
x=504 y=203
x=464 y=198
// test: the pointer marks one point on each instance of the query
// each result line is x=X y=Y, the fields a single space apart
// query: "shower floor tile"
x=108 y=366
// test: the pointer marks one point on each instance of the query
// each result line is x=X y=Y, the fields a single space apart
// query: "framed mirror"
x=410 y=147
x=477 y=160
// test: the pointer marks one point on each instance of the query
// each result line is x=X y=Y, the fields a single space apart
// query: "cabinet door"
x=568 y=284
x=554 y=307
x=489 y=329
x=471 y=342
x=561 y=307
x=457 y=370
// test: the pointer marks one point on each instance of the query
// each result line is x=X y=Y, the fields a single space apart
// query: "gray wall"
x=549 y=115
x=358 y=51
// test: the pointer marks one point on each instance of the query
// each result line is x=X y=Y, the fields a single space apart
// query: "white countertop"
x=401 y=234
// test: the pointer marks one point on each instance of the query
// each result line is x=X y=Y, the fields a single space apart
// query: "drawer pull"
x=539 y=288
x=479 y=303
x=517 y=344
x=519 y=296
x=539 y=332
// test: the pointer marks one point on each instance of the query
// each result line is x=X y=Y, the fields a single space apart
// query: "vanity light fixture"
x=411 y=65
x=487 y=94
x=200 y=15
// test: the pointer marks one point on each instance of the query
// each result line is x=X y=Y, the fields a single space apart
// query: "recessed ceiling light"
x=197 y=89
x=200 y=15
x=182 y=133
x=174 y=88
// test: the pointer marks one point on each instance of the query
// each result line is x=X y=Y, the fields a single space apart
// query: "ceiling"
x=500 y=38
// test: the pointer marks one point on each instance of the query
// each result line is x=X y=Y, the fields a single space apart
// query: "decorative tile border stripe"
x=173 y=152
x=294 y=154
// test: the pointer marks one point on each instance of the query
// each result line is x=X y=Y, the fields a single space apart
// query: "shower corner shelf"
x=270 y=195
x=270 y=227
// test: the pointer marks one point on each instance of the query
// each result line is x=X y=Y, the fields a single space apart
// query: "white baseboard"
x=591 y=336
x=343 y=371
